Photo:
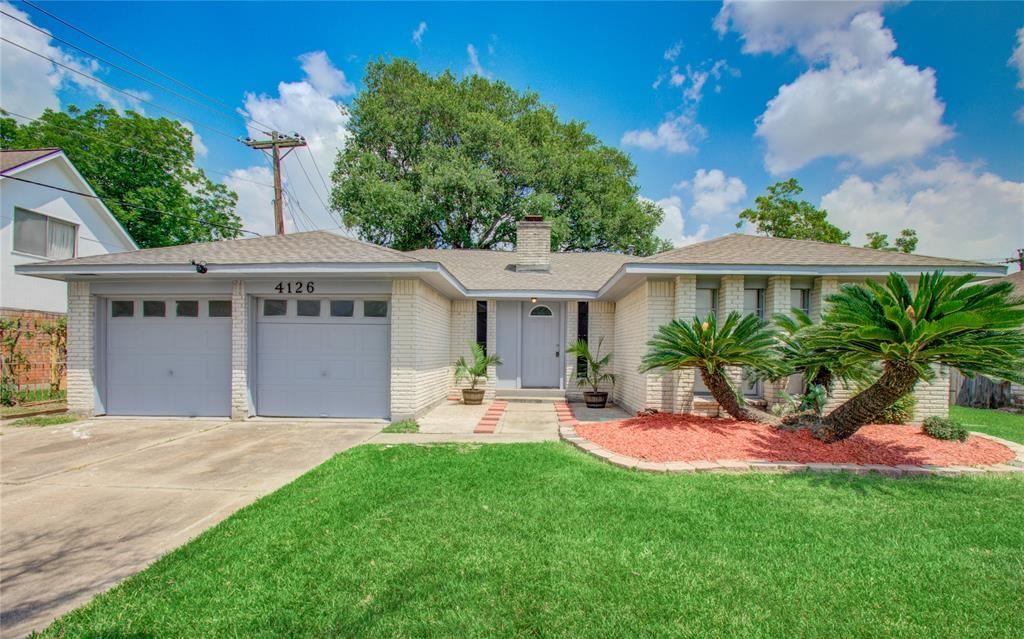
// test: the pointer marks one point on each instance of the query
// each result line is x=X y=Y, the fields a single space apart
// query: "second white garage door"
x=323 y=357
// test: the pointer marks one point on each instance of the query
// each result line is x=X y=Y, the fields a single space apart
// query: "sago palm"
x=818 y=365
x=739 y=341
x=974 y=328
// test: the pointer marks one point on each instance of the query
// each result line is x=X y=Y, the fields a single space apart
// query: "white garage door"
x=323 y=357
x=168 y=356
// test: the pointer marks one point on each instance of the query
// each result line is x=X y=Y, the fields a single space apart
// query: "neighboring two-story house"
x=317 y=324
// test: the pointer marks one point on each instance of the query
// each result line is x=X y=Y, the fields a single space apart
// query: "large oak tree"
x=442 y=162
x=143 y=168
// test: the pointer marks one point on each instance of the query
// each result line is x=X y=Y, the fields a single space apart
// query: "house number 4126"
x=295 y=287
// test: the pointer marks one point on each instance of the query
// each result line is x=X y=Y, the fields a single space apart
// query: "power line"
x=127 y=146
x=127 y=205
x=133 y=58
x=120 y=90
x=218 y=110
x=316 y=166
x=315 y=192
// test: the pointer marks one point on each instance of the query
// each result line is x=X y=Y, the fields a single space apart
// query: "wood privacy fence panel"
x=979 y=391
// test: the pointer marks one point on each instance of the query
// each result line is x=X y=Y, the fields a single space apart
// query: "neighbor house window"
x=375 y=308
x=42 y=235
x=481 y=324
x=154 y=308
x=582 y=334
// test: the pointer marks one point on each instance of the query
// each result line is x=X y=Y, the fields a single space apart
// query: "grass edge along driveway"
x=539 y=539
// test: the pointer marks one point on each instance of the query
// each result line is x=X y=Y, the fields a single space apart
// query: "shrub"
x=900 y=411
x=944 y=428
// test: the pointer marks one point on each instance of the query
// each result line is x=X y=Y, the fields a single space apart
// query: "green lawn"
x=541 y=540
x=47 y=420
x=991 y=422
x=404 y=426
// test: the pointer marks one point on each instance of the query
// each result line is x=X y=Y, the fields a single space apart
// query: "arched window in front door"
x=540 y=311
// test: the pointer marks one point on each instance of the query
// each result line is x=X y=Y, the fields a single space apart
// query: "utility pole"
x=1019 y=259
x=272 y=148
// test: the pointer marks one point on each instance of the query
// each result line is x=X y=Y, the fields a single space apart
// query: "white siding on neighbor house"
x=97 y=233
x=420 y=348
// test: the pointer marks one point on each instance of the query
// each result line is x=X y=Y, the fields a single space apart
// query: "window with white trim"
x=42 y=235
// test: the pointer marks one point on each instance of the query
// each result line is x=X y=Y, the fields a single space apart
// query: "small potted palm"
x=597 y=372
x=474 y=371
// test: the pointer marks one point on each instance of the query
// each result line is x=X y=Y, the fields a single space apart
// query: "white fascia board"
x=524 y=294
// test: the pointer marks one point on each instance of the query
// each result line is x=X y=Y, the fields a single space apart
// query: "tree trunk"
x=727 y=399
x=867 y=406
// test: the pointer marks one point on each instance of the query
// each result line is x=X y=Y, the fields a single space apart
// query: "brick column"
x=730 y=298
x=660 y=308
x=403 y=349
x=81 y=348
x=601 y=330
x=777 y=301
x=685 y=310
x=820 y=290
x=239 y=351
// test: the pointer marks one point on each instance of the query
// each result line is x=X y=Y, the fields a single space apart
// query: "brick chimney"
x=533 y=244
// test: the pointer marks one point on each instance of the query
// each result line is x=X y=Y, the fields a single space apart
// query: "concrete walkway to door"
x=84 y=505
x=453 y=422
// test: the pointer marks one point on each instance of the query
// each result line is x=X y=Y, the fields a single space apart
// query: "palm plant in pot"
x=597 y=372
x=474 y=371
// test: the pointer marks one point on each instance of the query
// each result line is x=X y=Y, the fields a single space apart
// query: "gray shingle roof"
x=494 y=270
x=13 y=158
x=738 y=248
x=294 y=248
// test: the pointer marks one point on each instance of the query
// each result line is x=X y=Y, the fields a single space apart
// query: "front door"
x=542 y=348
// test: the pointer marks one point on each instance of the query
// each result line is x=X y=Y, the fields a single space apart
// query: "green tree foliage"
x=978 y=329
x=710 y=347
x=781 y=214
x=131 y=159
x=905 y=243
x=441 y=162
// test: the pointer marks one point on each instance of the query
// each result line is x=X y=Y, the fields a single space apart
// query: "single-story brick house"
x=317 y=324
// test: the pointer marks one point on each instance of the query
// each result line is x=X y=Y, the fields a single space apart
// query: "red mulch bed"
x=680 y=437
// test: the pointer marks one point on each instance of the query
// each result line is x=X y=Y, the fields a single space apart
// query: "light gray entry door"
x=323 y=357
x=542 y=348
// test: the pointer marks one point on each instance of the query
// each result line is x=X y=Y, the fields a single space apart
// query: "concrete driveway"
x=83 y=506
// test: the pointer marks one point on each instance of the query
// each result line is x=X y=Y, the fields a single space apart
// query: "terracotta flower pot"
x=472 y=396
x=595 y=400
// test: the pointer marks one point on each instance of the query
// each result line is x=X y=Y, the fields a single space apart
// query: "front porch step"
x=530 y=394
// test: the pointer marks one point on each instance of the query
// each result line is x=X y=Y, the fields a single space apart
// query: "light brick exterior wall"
x=730 y=298
x=492 y=346
x=601 y=326
x=420 y=348
x=463 y=333
x=778 y=300
x=533 y=246
x=932 y=397
x=630 y=342
x=661 y=298
x=572 y=390
x=821 y=288
x=81 y=346
x=685 y=309
x=239 y=351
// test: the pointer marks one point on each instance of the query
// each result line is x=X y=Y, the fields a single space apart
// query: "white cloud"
x=307 y=107
x=1019 y=114
x=672 y=227
x=957 y=209
x=255 y=200
x=475 y=68
x=864 y=103
x=714 y=193
x=417 y=34
x=198 y=146
x=324 y=76
x=773 y=27
x=1017 y=59
x=673 y=52
x=29 y=84
x=675 y=135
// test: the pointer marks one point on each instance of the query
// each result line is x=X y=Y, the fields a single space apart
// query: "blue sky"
x=889 y=114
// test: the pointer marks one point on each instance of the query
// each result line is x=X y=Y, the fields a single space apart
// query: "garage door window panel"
x=375 y=308
x=187 y=308
x=342 y=308
x=275 y=308
x=154 y=308
x=122 y=308
x=219 y=308
x=308 y=308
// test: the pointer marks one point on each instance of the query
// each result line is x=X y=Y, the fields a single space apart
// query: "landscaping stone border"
x=489 y=422
x=567 y=431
